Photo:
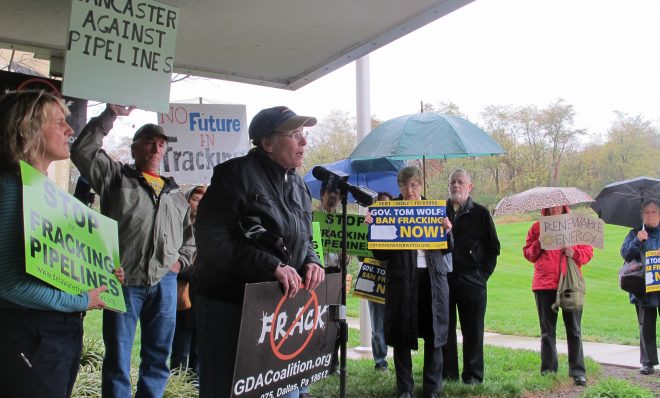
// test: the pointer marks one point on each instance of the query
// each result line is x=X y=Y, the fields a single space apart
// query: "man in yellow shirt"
x=155 y=242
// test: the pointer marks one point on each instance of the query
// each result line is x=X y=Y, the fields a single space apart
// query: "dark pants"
x=378 y=345
x=184 y=345
x=648 y=348
x=40 y=353
x=470 y=301
x=432 y=368
x=432 y=355
x=548 y=323
x=218 y=325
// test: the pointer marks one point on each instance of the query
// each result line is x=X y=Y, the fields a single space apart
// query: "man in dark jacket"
x=253 y=225
x=475 y=252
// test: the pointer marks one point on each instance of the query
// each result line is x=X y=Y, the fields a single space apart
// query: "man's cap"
x=278 y=118
x=149 y=130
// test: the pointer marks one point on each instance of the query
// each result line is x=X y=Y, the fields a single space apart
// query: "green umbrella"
x=426 y=135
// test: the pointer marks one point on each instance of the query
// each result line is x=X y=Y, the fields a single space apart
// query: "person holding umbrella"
x=548 y=266
x=618 y=203
x=635 y=245
x=416 y=300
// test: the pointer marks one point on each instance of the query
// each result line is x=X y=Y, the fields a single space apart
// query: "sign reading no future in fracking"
x=202 y=136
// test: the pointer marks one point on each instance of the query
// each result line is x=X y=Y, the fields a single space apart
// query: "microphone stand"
x=343 y=326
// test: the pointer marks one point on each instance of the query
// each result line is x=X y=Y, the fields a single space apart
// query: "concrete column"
x=363 y=128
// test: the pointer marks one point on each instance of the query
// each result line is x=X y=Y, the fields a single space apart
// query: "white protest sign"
x=121 y=52
x=201 y=136
x=567 y=230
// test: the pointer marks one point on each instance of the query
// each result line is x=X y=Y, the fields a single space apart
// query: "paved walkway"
x=610 y=354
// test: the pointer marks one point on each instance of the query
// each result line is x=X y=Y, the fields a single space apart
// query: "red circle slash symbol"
x=276 y=347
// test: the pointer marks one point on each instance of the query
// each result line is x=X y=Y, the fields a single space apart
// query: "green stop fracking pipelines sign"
x=356 y=233
x=67 y=244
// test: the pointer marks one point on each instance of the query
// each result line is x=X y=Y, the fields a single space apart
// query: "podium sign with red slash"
x=285 y=343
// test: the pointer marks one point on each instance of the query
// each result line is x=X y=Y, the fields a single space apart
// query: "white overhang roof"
x=276 y=43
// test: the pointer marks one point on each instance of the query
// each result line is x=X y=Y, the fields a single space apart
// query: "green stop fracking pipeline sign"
x=67 y=244
x=331 y=233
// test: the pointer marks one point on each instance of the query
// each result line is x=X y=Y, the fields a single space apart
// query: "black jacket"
x=401 y=290
x=251 y=192
x=476 y=245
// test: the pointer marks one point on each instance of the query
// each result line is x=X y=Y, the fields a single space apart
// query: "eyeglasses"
x=412 y=185
x=299 y=134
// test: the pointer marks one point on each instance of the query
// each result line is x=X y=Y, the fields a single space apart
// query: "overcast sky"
x=598 y=55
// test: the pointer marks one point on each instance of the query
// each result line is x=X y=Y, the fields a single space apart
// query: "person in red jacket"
x=548 y=264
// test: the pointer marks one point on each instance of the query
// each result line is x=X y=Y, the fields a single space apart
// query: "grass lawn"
x=509 y=373
x=93 y=324
x=608 y=316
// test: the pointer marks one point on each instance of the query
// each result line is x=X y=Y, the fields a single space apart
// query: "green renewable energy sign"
x=67 y=244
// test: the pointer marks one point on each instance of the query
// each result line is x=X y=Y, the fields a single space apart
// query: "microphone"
x=363 y=195
x=331 y=178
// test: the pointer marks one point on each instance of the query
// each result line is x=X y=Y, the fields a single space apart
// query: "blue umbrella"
x=376 y=174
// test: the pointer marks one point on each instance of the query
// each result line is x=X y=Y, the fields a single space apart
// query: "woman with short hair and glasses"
x=42 y=326
x=260 y=191
x=416 y=300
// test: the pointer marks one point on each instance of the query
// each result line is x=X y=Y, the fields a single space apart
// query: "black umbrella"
x=620 y=203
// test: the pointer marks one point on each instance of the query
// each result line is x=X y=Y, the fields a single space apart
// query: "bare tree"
x=629 y=150
x=556 y=123
x=450 y=108
x=332 y=139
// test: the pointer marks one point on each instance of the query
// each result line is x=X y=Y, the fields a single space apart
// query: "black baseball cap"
x=149 y=130
x=278 y=118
